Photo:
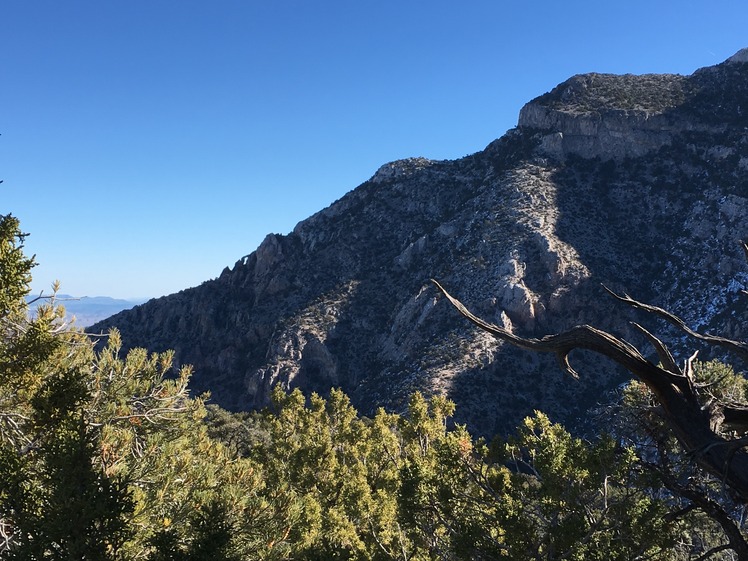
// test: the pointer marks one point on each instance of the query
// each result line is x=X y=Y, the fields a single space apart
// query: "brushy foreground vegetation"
x=104 y=456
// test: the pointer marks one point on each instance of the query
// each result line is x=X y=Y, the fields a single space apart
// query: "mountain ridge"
x=85 y=311
x=646 y=196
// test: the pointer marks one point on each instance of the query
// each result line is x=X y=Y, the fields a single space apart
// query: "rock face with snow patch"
x=637 y=182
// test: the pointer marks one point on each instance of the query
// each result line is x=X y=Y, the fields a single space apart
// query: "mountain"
x=637 y=182
x=88 y=310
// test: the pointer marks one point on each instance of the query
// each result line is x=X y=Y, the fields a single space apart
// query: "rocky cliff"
x=638 y=182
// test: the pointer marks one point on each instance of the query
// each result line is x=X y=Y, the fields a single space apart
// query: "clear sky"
x=148 y=144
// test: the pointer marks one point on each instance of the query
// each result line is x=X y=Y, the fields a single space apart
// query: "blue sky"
x=146 y=145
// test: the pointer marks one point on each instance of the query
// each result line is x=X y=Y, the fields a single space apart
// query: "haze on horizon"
x=147 y=146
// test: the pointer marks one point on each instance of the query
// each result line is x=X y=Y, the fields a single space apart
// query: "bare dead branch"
x=714 y=551
x=663 y=353
x=692 y=424
x=735 y=418
x=738 y=347
x=579 y=337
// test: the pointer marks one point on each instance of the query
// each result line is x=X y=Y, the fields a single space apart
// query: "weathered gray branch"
x=739 y=348
x=694 y=425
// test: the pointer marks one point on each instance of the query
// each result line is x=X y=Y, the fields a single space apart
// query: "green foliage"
x=55 y=503
x=75 y=511
x=580 y=500
x=710 y=518
x=212 y=538
x=409 y=487
x=108 y=457
x=315 y=462
x=102 y=456
x=15 y=267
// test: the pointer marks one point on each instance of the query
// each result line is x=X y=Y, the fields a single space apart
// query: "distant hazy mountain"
x=637 y=182
x=88 y=310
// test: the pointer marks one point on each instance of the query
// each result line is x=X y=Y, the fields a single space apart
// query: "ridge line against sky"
x=147 y=145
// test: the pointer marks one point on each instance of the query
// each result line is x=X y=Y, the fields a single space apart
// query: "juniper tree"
x=104 y=455
x=55 y=502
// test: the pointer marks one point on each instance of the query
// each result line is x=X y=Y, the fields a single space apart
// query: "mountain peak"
x=639 y=183
x=739 y=57
x=400 y=168
x=613 y=117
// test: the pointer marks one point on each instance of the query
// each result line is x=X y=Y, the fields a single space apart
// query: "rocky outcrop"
x=607 y=116
x=637 y=182
x=611 y=134
x=616 y=117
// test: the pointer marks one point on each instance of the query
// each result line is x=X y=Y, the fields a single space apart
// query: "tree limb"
x=738 y=347
x=692 y=424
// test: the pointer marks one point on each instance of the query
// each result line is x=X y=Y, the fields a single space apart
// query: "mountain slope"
x=637 y=182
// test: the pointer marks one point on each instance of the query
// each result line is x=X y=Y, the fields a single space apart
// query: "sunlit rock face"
x=639 y=183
